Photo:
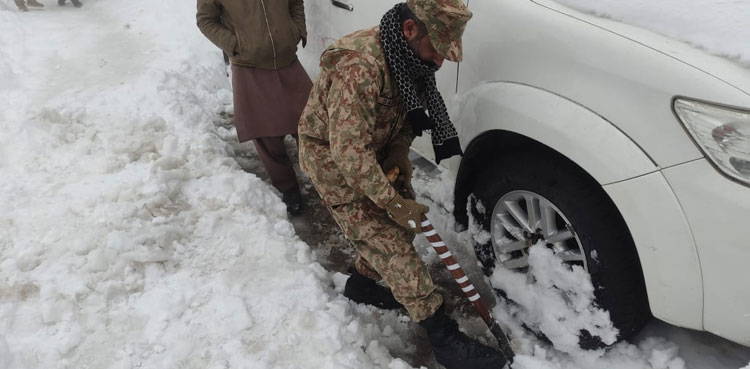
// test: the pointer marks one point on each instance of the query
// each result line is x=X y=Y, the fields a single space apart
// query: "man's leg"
x=273 y=155
x=364 y=268
x=387 y=249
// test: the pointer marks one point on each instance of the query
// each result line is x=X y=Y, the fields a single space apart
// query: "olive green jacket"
x=254 y=33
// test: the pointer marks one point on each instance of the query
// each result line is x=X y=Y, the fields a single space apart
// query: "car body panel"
x=718 y=210
x=363 y=14
x=722 y=68
x=665 y=246
x=327 y=23
x=319 y=36
x=523 y=42
x=582 y=136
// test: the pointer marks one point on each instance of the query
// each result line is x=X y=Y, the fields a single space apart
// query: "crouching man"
x=371 y=99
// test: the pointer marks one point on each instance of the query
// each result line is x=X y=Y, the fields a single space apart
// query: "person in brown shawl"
x=270 y=85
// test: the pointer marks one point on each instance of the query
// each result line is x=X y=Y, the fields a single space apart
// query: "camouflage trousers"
x=386 y=252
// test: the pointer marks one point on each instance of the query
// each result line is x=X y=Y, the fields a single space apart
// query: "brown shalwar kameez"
x=270 y=86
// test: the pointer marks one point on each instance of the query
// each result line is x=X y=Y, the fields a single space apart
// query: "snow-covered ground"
x=131 y=237
x=718 y=26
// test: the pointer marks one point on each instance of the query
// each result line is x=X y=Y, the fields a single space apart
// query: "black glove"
x=419 y=121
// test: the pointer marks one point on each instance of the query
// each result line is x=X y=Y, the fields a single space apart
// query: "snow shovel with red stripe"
x=463 y=281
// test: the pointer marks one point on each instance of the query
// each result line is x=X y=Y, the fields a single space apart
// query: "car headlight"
x=723 y=133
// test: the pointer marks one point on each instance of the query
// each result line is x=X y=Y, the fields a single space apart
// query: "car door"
x=319 y=36
x=348 y=16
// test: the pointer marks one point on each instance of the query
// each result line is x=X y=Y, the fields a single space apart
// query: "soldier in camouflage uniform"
x=359 y=122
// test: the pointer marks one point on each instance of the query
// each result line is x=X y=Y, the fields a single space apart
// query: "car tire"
x=610 y=258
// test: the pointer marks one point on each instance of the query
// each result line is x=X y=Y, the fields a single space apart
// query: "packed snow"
x=130 y=237
x=718 y=26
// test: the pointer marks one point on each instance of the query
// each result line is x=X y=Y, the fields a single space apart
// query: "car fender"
x=581 y=135
x=670 y=263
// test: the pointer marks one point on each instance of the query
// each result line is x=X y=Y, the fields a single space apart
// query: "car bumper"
x=718 y=211
x=662 y=236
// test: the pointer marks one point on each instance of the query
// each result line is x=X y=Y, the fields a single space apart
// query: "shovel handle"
x=450 y=262
x=466 y=286
x=455 y=269
x=463 y=281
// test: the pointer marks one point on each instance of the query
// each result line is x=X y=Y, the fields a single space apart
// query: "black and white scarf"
x=406 y=67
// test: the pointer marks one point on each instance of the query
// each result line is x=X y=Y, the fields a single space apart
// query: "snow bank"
x=129 y=236
x=718 y=26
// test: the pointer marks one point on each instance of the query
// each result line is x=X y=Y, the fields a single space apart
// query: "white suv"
x=626 y=151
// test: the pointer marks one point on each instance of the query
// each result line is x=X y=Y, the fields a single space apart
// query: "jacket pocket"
x=386 y=116
x=296 y=34
x=240 y=49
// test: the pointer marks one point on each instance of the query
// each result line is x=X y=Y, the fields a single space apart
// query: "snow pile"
x=559 y=302
x=129 y=237
x=717 y=26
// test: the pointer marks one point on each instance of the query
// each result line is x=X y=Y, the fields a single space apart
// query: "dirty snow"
x=130 y=237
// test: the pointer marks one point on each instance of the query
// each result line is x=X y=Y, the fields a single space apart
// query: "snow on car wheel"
x=526 y=198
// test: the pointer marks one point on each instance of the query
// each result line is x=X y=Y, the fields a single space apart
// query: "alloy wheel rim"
x=520 y=219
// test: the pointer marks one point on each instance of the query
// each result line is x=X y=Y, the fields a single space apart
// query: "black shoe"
x=455 y=350
x=76 y=3
x=364 y=290
x=293 y=201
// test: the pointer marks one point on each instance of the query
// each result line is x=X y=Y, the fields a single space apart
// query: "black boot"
x=293 y=201
x=364 y=290
x=455 y=350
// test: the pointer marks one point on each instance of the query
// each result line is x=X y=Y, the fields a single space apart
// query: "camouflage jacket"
x=353 y=115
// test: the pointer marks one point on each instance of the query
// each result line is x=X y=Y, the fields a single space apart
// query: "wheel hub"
x=521 y=219
x=531 y=239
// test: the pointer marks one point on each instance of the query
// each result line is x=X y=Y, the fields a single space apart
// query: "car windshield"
x=719 y=27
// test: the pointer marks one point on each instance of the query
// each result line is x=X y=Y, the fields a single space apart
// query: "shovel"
x=463 y=281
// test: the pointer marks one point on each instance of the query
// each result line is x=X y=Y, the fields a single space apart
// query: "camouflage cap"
x=445 y=21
